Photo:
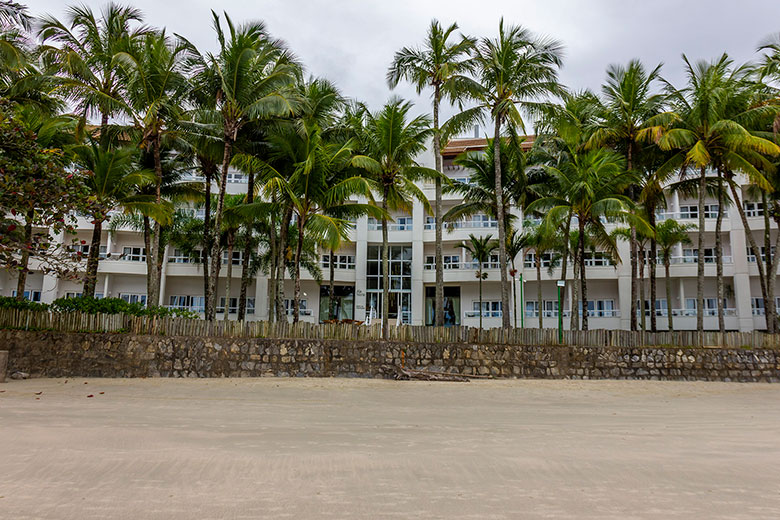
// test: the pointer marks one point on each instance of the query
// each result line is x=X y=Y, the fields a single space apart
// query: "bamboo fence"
x=120 y=323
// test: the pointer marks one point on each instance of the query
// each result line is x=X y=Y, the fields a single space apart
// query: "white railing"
x=707 y=312
x=463 y=224
x=473 y=266
x=688 y=215
x=695 y=259
x=485 y=314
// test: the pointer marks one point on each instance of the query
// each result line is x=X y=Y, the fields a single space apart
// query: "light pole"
x=561 y=284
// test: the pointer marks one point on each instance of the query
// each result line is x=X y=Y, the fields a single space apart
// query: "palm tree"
x=628 y=104
x=153 y=86
x=515 y=243
x=232 y=220
x=668 y=234
x=542 y=239
x=590 y=187
x=478 y=195
x=246 y=79
x=513 y=72
x=441 y=65
x=83 y=51
x=480 y=249
x=706 y=135
x=15 y=22
x=113 y=181
x=390 y=142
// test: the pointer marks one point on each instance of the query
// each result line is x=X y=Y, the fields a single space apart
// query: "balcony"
x=473 y=266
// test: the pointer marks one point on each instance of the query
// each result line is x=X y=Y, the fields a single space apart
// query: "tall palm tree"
x=247 y=79
x=706 y=136
x=590 y=187
x=113 y=179
x=153 y=86
x=542 y=239
x=441 y=65
x=390 y=142
x=480 y=249
x=515 y=243
x=514 y=70
x=232 y=221
x=83 y=48
x=629 y=103
x=668 y=234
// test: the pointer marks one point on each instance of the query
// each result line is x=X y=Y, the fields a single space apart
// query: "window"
x=600 y=259
x=339 y=261
x=530 y=260
x=232 y=306
x=757 y=304
x=754 y=209
x=374 y=224
x=289 y=307
x=490 y=309
x=133 y=298
x=711 y=211
x=532 y=308
x=689 y=212
x=751 y=257
x=401 y=224
x=691 y=256
x=134 y=254
x=34 y=296
x=400 y=278
x=236 y=177
x=550 y=309
x=103 y=252
x=600 y=309
x=238 y=257
x=180 y=257
x=430 y=223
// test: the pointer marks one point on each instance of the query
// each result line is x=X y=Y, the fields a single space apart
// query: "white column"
x=361 y=258
x=418 y=261
x=163 y=278
x=262 y=305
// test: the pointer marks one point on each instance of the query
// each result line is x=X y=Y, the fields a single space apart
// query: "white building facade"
x=122 y=272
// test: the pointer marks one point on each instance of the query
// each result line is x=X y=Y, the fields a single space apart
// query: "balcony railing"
x=707 y=312
x=473 y=266
x=464 y=224
x=688 y=215
x=695 y=260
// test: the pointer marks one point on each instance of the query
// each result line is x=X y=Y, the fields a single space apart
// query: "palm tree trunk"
x=575 y=300
x=670 y=318
x=479 y=273
x=653 y=267
x=769 y=305
x=153 y=269
x=208 y=170
x=583 y=281
x=331 y=287
x=385 y=270
x=539 y=288
x=281 y=263
x=272 y=288
x=752 y=241
x=634 y=278
x=700 y=257
x=230 y=242
x=719 y=255
x=439 y=300
x=245 y=277
x=24 y=261
x=90 y=279
x=642 y=304
x=502 y=260
x=215 y=248
x=298 y=250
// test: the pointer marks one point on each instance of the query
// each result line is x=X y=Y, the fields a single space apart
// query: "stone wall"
x=55 y=354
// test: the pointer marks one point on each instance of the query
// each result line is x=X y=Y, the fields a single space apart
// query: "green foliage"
x=116 y=306
x=7 y=302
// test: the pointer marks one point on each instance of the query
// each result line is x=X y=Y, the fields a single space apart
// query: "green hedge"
x=95 y=306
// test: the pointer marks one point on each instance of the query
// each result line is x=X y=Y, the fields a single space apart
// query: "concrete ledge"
x=56 y=354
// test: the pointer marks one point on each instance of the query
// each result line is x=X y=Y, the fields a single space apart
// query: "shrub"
x=116 y=306
x=8 y=302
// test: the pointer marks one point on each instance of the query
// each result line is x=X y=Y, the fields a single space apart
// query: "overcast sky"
x=352 y=42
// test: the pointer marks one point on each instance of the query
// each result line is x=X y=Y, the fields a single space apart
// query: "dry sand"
x=338 y=448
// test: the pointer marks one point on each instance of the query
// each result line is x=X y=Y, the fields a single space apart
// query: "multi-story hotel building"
x=122 y=272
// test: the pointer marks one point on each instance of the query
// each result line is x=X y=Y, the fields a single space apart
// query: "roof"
x=458 y=146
